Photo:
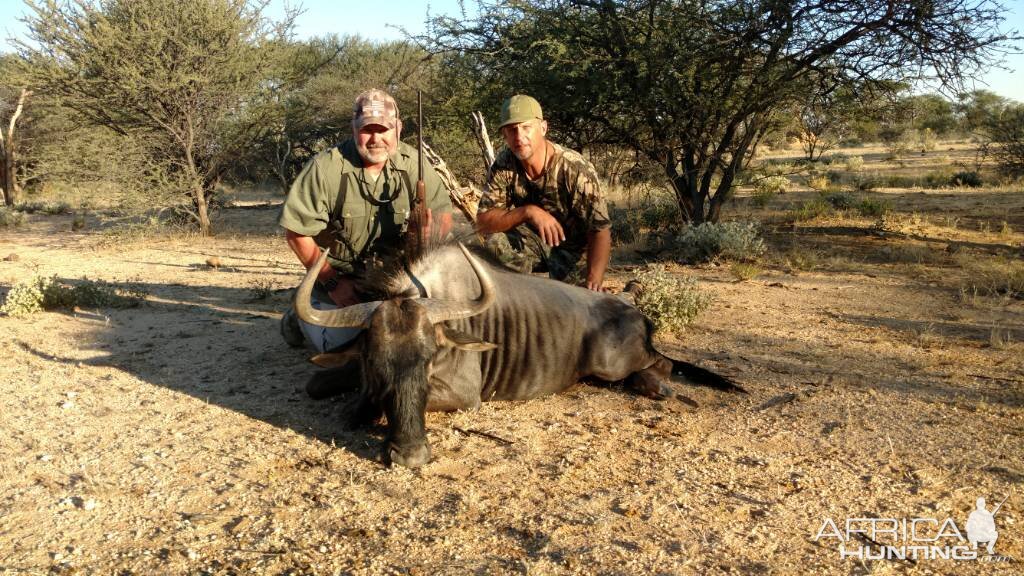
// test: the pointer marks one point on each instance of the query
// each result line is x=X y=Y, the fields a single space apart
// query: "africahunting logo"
x=917 y=538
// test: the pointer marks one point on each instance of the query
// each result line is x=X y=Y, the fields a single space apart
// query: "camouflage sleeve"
x=590 y=199
x=305 y=211
x=495 y=192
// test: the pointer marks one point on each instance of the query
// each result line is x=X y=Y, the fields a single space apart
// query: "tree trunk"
x=199 y=197
x=8 y=171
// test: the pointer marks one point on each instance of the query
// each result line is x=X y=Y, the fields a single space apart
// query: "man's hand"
x=596 y=285
x=345 y=293
x=547 y=227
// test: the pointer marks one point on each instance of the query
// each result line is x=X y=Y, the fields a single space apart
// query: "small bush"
x=739 y=241
x=660 y=214
x=801 y=258
x=10 y=218
x=744 y=271
x=771 y=185
x=50 y=208
x=841 y=200
x=47 y=293
x=874 y=208
x=818 y=183
x=855 y=163
x=938 y=178
x=969 y=179
x=812 y=209
x=671 y=302
x=261 y=290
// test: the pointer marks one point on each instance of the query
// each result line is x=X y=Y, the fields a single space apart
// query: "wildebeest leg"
x=362 y=412
x=653 y=380
x=334 y=381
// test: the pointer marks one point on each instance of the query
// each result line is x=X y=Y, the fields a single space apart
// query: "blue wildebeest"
x=456 y=330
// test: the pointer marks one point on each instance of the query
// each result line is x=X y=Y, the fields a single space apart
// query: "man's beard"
x=524 y=153
x=373 y=155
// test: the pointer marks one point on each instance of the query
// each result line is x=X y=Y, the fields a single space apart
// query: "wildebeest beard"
x=395 y=366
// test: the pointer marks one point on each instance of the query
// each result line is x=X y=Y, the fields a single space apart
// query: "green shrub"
x=855 y=163
x=669 y=301
x=971 y=179
x=660 y=214
x=47 y=293
x=739 y=241
x=874 y=208
x=771 y=185
x=840 y=200
x=10 y=218
x=812 y=209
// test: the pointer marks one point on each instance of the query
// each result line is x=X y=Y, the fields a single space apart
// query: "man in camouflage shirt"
x=355 y=199
x=546 y=198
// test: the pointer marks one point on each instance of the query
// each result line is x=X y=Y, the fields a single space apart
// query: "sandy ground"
x=176 y=437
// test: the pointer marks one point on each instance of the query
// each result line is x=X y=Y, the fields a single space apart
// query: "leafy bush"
x=840 y=200
x=855 y=163
x=738 y=241
x=47 y=293
x=872 y=207
x=626 y=224
x=671 y=302
x=771 y=185
x=660 y=214
x=10 y=218
x=971 y=179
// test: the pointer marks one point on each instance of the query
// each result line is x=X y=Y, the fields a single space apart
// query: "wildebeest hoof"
x=412 y=458
x=361 y=414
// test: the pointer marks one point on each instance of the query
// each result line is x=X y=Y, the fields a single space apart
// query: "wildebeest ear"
x=335 y=359
x=460 y=340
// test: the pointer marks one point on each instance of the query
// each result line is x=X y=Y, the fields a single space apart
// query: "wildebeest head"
x=401 y=336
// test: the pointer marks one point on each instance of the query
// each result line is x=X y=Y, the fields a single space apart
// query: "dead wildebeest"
x=457 y=330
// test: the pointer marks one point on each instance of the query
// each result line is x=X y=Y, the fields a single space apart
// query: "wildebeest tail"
x=704 y=377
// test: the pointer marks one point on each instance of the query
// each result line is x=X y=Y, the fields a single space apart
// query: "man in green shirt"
x=355 y=199
x=546 y=198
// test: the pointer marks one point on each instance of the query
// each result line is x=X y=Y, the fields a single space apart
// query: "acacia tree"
x=179 y=77
x=693 y=84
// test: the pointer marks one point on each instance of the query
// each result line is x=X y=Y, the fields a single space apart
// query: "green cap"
x=520 y=108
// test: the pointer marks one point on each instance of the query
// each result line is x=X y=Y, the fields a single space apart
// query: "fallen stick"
x=471 y=432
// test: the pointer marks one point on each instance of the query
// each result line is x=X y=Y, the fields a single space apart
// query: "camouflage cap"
x=375 y=107
x=520 y=108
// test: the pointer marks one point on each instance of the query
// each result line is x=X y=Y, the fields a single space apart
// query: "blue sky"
x=321 y=17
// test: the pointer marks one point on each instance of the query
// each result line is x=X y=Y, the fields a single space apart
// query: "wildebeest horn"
x=354 y=316
x=445 y=310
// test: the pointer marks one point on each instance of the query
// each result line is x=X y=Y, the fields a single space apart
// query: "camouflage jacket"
x=568 y=190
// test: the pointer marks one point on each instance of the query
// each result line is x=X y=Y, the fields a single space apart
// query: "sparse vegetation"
x=261 y=290
x=669 y=300
x=812 y=209
x=10 y=218
x=743 y=271
x=49 y=293
x=992 y=276
x=874 y=208
x=49 y=208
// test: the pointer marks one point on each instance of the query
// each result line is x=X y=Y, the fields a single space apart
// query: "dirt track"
x=176 y=437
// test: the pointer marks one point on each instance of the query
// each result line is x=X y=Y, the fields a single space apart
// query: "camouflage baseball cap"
x=520 y=108
x=375 y=107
